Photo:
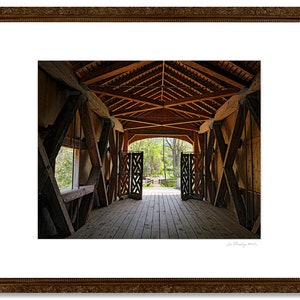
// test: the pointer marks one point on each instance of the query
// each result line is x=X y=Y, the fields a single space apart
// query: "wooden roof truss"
x=165 y=96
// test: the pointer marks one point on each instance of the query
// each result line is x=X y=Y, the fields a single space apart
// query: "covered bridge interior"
x=99 y=108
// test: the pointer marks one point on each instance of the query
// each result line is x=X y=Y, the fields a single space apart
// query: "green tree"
x=161 y=156
x=152 y=148
x=64 y=168
x=175 y=147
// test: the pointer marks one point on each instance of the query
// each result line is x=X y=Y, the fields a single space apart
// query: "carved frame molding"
x=149 y=14
x=150 y=285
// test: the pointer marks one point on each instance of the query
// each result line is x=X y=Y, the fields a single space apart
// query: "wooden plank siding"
x=162 y=216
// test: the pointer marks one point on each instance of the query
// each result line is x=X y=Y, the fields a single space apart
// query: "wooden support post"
x=96 y=177
x=209 y=183
x=90 y=137
x=228 y=173
x=103 y=142
x=126 y=141
x=196 y=143
x=223 y=148
x=253 y=103
x=86 y=203
x=51 y=193
x=220 y=139
x=202 y=143
x=112 y=188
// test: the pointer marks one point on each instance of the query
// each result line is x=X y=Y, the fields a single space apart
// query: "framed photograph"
x=218 y=61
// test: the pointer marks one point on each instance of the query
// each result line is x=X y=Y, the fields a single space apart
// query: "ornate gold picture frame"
x=149 y=285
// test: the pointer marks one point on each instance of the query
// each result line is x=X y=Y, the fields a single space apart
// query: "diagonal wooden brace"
x=54 y=139
x=112 y=188
x=209 y=183
x=227 y=174
x=89 y=133
x=55 y=203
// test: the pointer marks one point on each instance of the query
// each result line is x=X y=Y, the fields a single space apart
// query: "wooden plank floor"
x=162 y=216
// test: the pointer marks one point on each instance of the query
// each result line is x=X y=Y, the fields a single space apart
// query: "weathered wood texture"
x=50 y=196
x=162 y=216
x=151 y=285
x=246 y=164
x=150 y=14
x=65 y=116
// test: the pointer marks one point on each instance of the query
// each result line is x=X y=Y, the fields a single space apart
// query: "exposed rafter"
x=111 y=70
x=228 y=78
x=191 y=91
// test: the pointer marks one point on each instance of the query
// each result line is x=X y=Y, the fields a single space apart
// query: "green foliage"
x=161 y=155
x=64 y=168
x=153 y=164
x=168 y=183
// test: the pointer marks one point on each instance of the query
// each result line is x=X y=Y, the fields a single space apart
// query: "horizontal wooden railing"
x=70 y=195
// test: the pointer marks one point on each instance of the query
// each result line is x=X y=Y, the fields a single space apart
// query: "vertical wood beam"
x=86 y=203
x=202 y=143
x=90 y=136
x=112 y=188
x=103 y=142
x=98 y=180
x=196 y=144
x=221 y=189
x=220 y=139
x=126 y=141
x=253 y=103
x=209 y=183
x=51 y=193
x=228 y=173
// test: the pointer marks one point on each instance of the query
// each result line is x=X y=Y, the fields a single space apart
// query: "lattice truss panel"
x=191 y=176
x=131 y=174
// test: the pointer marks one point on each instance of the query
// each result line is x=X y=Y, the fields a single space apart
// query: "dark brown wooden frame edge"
x=149 y=14
x=150 y=285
